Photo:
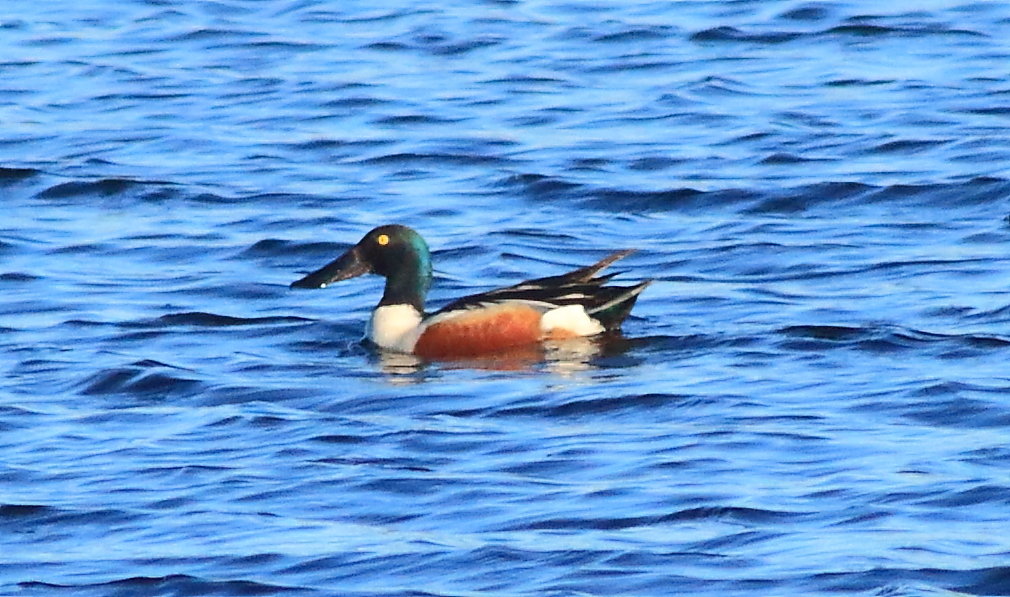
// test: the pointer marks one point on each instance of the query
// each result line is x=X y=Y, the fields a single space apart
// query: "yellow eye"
x=383 y=239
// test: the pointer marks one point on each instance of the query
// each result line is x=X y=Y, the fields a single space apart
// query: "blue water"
x=813 y=398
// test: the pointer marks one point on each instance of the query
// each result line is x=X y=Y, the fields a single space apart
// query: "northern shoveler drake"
x=570 y=305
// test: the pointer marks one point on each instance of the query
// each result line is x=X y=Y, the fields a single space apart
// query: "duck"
x=576 y=304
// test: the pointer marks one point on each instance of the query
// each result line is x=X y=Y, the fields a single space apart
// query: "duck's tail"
x=613 y=311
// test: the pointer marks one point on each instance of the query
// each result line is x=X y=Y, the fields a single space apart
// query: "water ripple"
x=808 y=400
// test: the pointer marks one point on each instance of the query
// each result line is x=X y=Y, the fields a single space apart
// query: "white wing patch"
x=572 y=319
x=538 y=305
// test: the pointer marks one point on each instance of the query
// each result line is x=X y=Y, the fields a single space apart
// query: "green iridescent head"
x=396 y=252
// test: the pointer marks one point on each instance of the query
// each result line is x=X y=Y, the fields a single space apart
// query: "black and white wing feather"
x=608 y=304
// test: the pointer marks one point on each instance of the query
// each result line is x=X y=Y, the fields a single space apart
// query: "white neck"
x=396 y=327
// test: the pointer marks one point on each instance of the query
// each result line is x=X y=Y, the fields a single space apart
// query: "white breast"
x=396 y=327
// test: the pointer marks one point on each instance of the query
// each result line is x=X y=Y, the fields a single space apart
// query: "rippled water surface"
x=812 y=398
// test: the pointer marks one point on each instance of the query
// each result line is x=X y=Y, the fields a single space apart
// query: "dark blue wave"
x=810 y=399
